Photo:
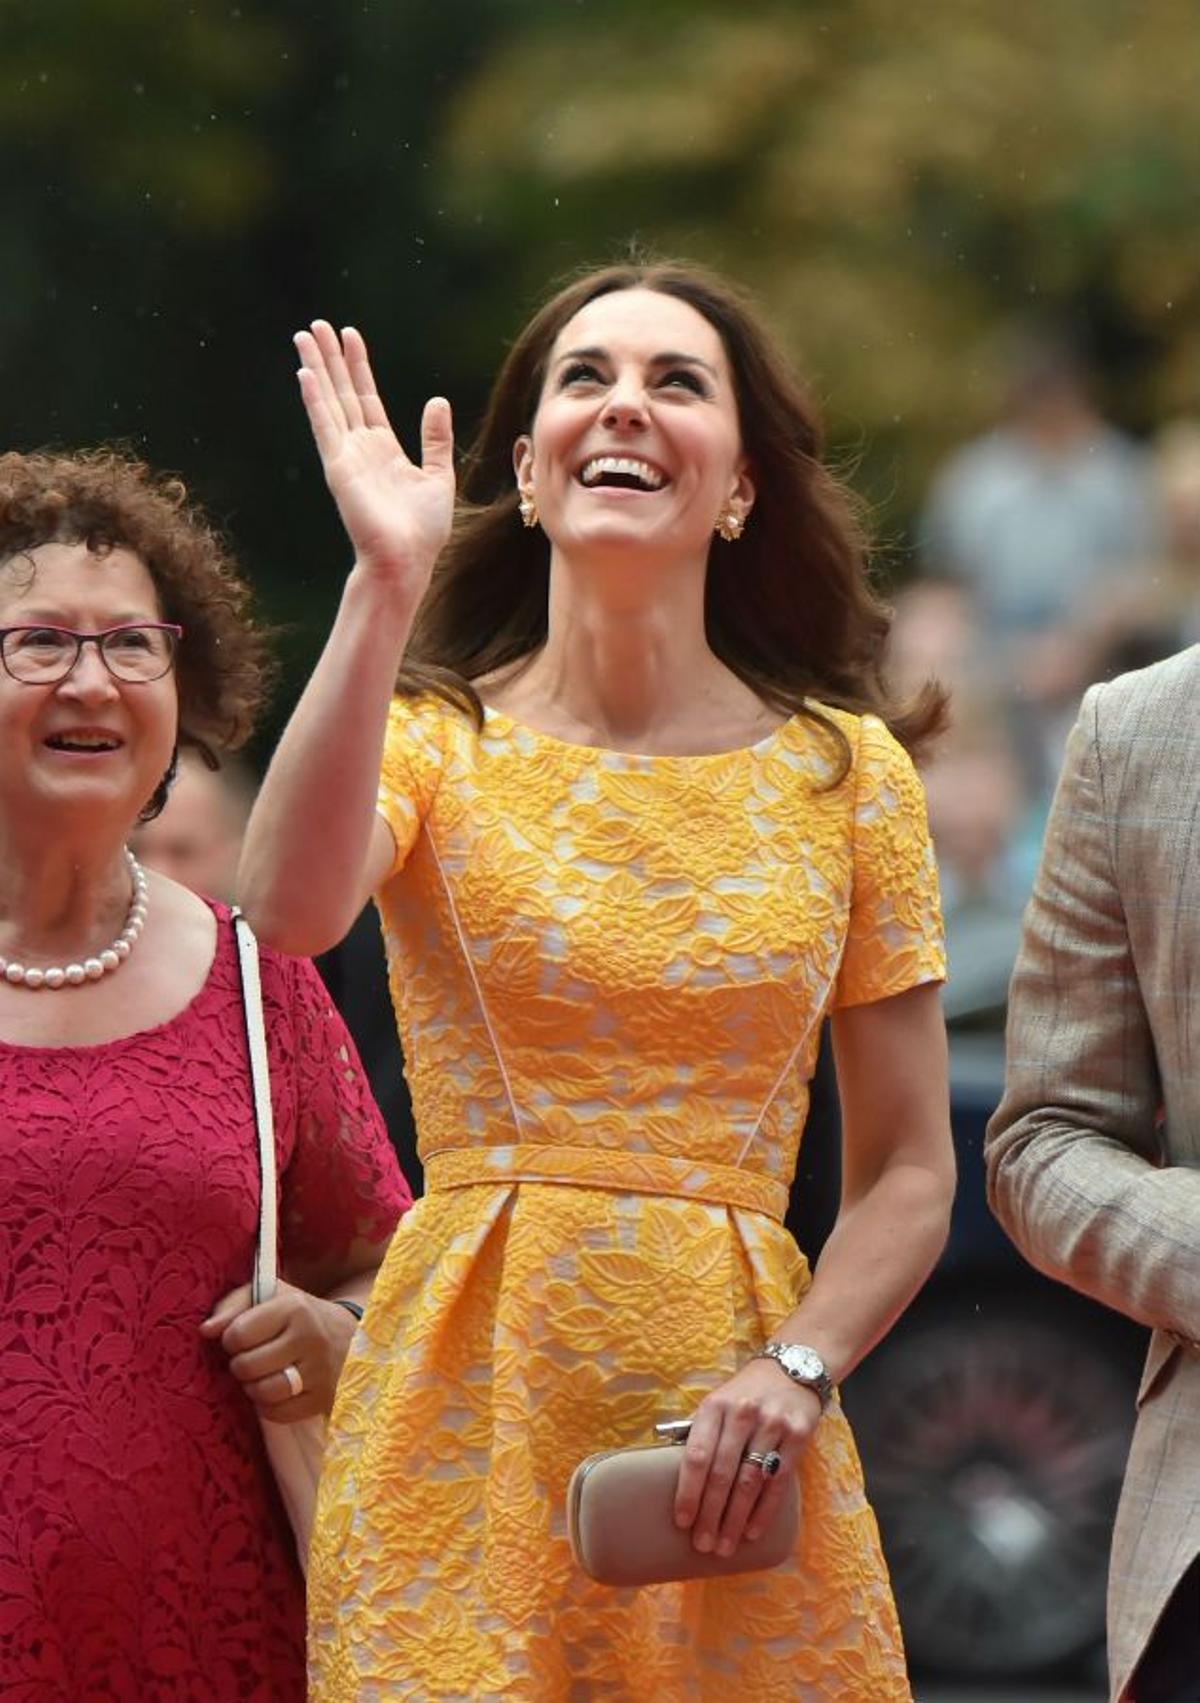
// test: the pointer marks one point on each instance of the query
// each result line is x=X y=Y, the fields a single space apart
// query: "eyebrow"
x=669 y=358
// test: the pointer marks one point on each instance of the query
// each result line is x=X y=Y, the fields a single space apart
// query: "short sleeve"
x=894 y=936
x=411 y=769
x=340 y=1182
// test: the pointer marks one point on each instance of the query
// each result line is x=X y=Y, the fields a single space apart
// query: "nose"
x=625 y=404
x=90 y=677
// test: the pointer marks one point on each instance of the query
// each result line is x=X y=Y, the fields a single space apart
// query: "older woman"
x=642 y=823
x=143 y=1550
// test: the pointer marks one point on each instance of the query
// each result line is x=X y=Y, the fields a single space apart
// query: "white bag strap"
x=266 y=1250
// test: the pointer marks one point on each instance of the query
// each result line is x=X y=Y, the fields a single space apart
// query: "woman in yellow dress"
x=645 y=818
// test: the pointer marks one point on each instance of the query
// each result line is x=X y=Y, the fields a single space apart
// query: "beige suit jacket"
x=1094 y=1153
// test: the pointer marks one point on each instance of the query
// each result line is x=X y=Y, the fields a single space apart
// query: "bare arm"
x=897 y=1176
x=315 y=848
x=898 y=1182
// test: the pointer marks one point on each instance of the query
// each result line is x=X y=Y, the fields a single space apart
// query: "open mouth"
x=84 y=744
x=621 y=473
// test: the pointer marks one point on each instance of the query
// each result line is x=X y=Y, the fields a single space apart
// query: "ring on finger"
x=769 y=1462
x=296 y=1382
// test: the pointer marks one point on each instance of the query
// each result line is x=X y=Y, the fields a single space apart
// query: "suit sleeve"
x=1074 y=1159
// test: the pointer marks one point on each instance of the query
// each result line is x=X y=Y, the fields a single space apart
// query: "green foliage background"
x=184 y=184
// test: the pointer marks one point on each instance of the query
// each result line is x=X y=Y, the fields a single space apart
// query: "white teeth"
x=594 y=470
x=82 y=742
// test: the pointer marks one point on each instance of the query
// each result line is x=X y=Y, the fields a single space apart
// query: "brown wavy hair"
x=789 y=607
x=107 y=498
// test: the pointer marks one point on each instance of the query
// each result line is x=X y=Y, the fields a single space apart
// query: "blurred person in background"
x=1094 y=1153
x=979 y=821
x=986 y=830
x=1050 y=520
x=977 y=807
x=196 y=838
x=1173 y=618
x=637 y=821
x=143 y=1549
x=935 y=635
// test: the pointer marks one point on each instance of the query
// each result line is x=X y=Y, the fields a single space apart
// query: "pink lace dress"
x=143 y=1551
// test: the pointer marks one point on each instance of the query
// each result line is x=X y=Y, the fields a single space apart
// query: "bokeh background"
x=187 y=183
x=926 y=199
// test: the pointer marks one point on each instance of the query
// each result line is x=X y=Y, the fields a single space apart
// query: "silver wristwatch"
x=802 y=1365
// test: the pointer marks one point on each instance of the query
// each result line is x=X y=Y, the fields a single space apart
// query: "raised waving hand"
x=396 y=513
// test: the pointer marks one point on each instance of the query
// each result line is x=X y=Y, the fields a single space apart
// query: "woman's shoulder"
x=424 y=726
x=869 y=742
x=429 y=709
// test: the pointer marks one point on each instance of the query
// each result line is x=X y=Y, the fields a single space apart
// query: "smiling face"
x=88 y=743
x=636 y=443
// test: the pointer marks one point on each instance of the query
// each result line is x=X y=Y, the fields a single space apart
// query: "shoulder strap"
x=266 y=1248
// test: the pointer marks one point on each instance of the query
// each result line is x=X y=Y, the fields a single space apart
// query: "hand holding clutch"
x=621 y=1519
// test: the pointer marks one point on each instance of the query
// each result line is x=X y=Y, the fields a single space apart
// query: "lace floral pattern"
x=143 y=1553
x=609 y=972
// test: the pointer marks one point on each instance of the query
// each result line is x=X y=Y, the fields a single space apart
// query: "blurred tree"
x=184 y=185
x=185 y=181
x=895 y=186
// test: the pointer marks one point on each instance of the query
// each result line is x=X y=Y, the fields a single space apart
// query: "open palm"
x=397 y=513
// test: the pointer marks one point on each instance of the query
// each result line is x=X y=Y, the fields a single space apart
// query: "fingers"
x=728 y=1481
x=277 y=1367
x=327 y=435
x=250 y=1327
x=337 y=372
x=313 y=362
x=226 y=1310
x=693 y=1468
x=328 y=389
x=757 y=1492
x=358 y=366
x=723 y=1496
x=296 y=1391
x=340 y=391
x=437 y=437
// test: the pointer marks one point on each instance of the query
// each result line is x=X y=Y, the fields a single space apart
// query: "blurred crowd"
x=1053 y=551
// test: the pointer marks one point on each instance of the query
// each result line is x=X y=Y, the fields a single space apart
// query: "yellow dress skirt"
x=609 y=1043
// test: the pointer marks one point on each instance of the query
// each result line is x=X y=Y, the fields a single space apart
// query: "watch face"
x=802 y=1362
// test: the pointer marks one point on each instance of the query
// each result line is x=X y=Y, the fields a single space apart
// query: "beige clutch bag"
x=621 y=1522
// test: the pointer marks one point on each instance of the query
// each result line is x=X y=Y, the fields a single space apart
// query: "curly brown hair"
x=789 y=608
x=107 y=498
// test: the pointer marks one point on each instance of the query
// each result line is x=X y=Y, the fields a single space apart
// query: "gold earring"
x=730 y=524
x=527 y=509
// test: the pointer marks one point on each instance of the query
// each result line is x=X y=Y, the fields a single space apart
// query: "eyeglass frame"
x=81 y=639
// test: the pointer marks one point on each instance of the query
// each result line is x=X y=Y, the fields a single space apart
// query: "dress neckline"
x=221 y=950
x=502 y=723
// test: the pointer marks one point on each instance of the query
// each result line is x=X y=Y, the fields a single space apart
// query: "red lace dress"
x=143 y=1551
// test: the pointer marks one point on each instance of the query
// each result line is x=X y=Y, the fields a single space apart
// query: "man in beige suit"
x=1094 y=1154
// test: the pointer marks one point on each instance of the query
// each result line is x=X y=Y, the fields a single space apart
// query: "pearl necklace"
x=91 y=969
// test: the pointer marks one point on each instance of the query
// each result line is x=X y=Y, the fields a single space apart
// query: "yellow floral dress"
x=609 y=973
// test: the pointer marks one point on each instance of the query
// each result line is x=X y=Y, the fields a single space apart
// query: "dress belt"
x=613 y=1169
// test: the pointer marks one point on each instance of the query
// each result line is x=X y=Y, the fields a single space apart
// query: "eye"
x=130 y=638
x=40 y=638
x=685 y=378
x=580 y=372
